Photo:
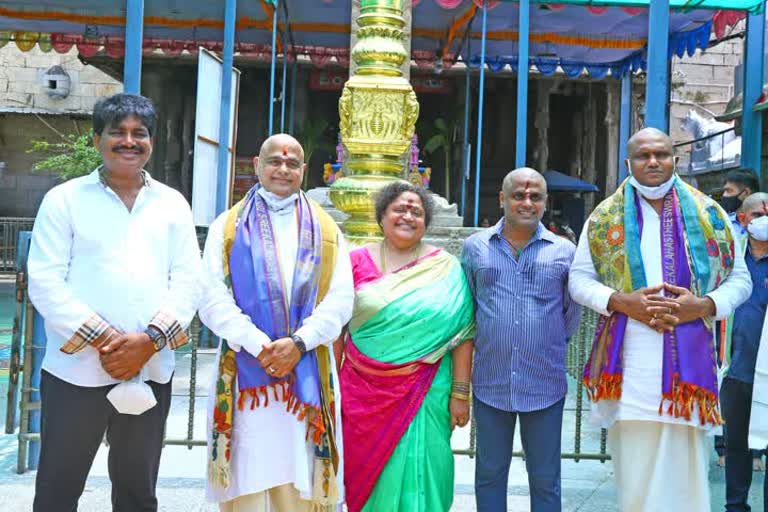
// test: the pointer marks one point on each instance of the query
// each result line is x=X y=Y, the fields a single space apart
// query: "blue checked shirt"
x=524 y=318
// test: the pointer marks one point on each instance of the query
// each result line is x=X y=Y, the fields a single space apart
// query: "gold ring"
x=271 y=370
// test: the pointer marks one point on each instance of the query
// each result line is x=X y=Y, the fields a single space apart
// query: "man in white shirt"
x=113 y=270
x=278 y=290
x=657 y=260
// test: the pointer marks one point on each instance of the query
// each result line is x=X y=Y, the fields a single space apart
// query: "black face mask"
x=730 y=204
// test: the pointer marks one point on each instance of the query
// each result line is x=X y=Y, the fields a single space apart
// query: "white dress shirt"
x=269 y=445
x=91 y=256
x=643 y=347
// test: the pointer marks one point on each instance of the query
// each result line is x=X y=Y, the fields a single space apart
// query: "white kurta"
x=643 y=347
x=758 y=418
x=269 y=446
x=660 y=461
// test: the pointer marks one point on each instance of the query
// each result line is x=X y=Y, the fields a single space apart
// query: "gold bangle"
x=462 y=387
x=460 y=396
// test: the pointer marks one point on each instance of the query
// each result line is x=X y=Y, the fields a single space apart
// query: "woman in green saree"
x=407 y=363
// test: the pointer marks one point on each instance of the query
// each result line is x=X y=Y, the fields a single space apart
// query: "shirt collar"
x=749 y=252
x=541 y=232
x=98 y=176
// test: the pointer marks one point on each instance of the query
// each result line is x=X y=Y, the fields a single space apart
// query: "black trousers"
x=73 y=422
x=736 y=400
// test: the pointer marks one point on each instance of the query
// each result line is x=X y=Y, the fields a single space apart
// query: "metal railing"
x=697 y=155
x=9 y=233
x=203 y=344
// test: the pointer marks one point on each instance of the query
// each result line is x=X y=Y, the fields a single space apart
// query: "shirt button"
x=516 y=322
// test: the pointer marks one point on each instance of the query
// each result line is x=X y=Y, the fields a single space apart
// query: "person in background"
x=743 y=332
x=738 y=185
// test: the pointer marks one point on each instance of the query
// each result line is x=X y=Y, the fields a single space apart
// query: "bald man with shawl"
x=657 y=261
x=278 y=291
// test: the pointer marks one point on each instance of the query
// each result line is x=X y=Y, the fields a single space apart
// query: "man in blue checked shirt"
x=518 y=273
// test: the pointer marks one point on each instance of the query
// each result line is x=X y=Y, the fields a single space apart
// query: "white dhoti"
x=278 y=499
x=660 y=466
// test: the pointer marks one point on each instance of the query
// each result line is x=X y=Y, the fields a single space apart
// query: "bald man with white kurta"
x=278 y=290
x=657 y=261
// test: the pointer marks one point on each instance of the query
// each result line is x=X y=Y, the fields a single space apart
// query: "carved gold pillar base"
x=378 y=112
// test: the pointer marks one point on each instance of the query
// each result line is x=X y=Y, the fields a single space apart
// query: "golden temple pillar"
x=378 y=112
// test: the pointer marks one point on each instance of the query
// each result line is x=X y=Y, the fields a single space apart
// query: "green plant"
x=74 y=157
x=312 y=137
x=443 y=136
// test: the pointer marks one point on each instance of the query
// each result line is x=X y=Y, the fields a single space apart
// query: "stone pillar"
x=577 y=124
x=589 y=173
x=613 y=94
x=405 y=67
x=542 y=124
x=377 y=116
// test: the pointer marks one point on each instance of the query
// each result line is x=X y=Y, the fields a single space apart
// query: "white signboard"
x=207 y=116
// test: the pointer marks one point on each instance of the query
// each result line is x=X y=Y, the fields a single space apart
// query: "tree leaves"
x=70 y=159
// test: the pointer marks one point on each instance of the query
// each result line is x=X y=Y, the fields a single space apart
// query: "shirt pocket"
x=487 y=276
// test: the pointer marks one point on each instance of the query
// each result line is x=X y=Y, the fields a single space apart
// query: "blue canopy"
x=559 y=182
x=574 y=38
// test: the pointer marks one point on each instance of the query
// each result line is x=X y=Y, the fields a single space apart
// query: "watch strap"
x=299 y=343
x=157 y=336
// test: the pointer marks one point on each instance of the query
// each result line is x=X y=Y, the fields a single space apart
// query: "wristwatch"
x=156 y=336
x=299 y=344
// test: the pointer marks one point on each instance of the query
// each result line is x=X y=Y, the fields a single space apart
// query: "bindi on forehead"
x=285 y=150
x=409 y=204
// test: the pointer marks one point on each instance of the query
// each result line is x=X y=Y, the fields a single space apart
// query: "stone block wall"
x=704 y=82
x=22 y=83
x=21 y=189
x=28 y=112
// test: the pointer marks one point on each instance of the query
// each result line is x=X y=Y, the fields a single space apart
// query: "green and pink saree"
x=396 y=382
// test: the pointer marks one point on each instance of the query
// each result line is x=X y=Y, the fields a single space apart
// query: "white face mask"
x=277 y=204
x=758 y=228
x=652 y=193
x=132 y=397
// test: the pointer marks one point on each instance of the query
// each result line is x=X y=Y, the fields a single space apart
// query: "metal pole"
x=522 y=84
x=481 y=97
x=272 y=71
x=625 y=123
x=224 y=157
x=282 y=94
x=134 y=36
x=292 y=109
x=38 y=351
x=657 y=83
x=751 y=121
x=467 y=112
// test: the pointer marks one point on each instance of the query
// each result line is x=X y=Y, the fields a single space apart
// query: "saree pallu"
x=396 y=381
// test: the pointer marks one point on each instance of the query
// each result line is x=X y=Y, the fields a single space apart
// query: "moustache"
x=138 y=149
